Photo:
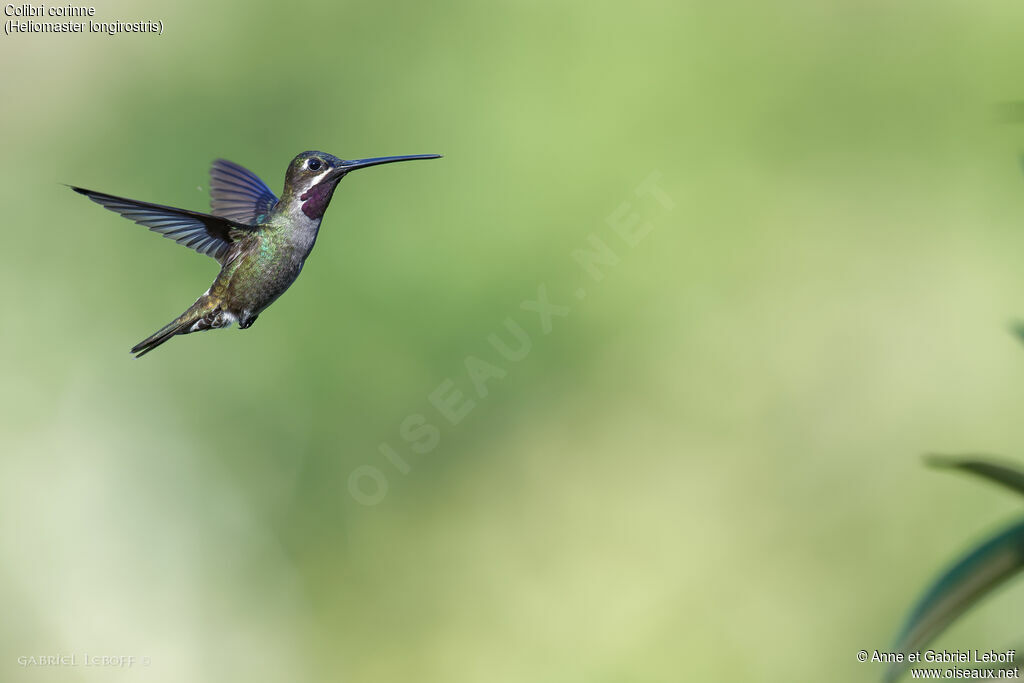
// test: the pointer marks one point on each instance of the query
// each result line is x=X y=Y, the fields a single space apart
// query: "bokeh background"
x=708 y=470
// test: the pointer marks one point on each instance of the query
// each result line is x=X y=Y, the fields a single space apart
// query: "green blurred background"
x=708 y=470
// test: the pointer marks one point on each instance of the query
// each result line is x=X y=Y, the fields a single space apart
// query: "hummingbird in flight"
x=260 y=241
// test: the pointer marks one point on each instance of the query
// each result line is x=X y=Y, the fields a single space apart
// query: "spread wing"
x=210 y=235
x=238 y=194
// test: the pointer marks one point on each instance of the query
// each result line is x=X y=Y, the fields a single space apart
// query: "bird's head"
x=312 y=177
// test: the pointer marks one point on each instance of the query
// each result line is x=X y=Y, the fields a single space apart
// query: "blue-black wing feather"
x=209 y=235
x=238 y=194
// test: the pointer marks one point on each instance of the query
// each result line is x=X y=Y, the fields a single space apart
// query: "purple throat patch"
x=316 y=199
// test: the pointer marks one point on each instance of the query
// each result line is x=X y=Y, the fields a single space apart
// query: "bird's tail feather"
x=180 y=325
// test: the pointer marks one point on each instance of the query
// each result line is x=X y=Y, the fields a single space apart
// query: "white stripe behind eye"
x=314 y=180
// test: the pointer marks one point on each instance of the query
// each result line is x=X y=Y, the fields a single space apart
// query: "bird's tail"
x=183 y=324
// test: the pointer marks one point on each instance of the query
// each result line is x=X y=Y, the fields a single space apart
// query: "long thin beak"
x=347 y=166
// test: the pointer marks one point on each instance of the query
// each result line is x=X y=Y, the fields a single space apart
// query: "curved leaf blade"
x=965 y=583
x=1009 y=475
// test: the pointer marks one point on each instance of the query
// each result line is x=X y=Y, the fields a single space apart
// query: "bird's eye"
x=313 y=164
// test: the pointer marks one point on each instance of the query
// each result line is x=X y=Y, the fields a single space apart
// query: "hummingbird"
x=261 y=242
